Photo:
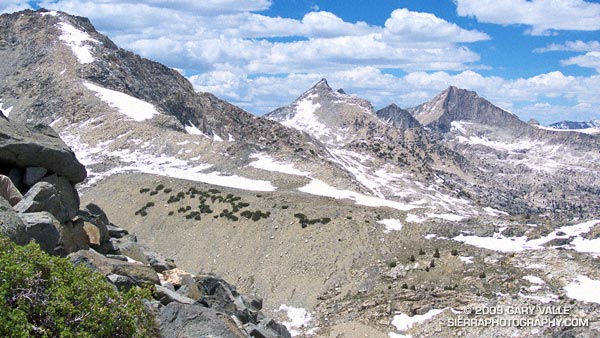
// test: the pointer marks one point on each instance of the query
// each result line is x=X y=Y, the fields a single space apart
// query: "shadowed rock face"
x=25 y=146
x=397 y=117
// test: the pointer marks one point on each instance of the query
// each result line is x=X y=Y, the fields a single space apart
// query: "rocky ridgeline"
x=45 y=169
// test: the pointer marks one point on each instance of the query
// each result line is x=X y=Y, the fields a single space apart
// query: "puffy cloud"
x=542 y=15
x=415 y=27
x=9 y=6
x=182 y=35
x=589 y=60
x=571 y=46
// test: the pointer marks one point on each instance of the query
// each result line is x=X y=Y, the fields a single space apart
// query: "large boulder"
x=11 y=224
x=42 y=227
x=73 y=237
x=25 y=145
x=139 y=273
x=185 y=320
x=56 y=196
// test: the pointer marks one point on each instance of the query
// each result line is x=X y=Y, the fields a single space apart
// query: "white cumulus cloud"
x=543 y=16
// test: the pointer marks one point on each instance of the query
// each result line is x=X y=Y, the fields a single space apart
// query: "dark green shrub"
x=432 y=263
x=160 y=187
x=325 y=220
x=144 y=190
x=436 y=254
x=284 y=207
x=482 y=275
x=152 y=193
x=168 y=190
x=404 y=286
x=421 y=252
x=454 y=252
x=171 y=213
x=149 y=204
x=411 y=258
x=45 y=296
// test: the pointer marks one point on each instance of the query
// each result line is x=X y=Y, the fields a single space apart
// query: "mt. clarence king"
x=347 y=221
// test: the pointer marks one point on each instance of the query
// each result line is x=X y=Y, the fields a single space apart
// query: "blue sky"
x=537 y=58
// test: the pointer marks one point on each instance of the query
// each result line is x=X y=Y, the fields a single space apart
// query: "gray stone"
x=166 y=296
x=130 y=249
x=139 y=273
x=185 y=320
x=16 y=176
x=43 y=228
x=69 y=196
x=99 y=221
x=277 y=329
x=34 y=174
x=59 y=200
x=116 y=232
x=72 y=237
x=11 y=224
x=158 y=261
x=24 y=145
x=121 y=282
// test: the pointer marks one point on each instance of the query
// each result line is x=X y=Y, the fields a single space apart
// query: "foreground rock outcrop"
x=50 y=214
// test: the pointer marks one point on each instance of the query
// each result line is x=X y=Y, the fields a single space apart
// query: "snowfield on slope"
x=127 y=105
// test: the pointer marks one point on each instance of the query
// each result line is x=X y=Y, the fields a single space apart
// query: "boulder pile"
x=45 y=171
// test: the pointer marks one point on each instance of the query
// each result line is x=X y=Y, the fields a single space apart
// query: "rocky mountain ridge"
x=327 y=210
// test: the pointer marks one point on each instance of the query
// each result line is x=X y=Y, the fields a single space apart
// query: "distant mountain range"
x=566 y=125
x=344 y=205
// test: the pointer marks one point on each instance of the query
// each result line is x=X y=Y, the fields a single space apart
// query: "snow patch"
x=466 y=259
x=320 y=188
x=499 y=146
x=447 y=217
x=191 y=129
x=128 y=105
x=298 y=320
x=306 y=120
x=548 y=298
x=5 y=111
x=159 y=165
x=403 y=322
x=584 y=289
x=79 y=41
x=391 y=225
x=513 y=244
x=265 y=162
x=217 y=138
x=534 y=280
x=412 y=218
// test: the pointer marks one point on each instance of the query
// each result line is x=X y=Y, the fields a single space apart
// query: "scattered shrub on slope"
x=46 y=296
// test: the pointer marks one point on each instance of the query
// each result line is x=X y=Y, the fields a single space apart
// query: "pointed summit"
x=325 y=114
x=322 y=85
x=397 y=117
x=457 y=104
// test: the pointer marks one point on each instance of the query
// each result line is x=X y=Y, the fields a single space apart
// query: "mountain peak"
x=321 y=85
x=457 y=104
x=397 y=117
